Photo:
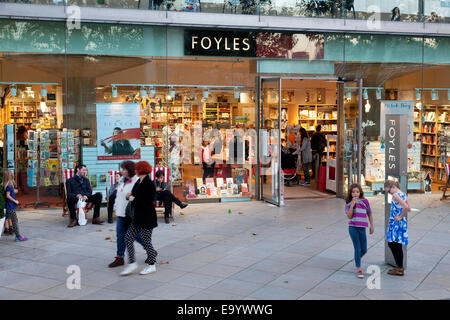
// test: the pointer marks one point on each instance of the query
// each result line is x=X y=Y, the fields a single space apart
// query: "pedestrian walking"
x=358 y=212
x=397 y=231
x=11 y=204
x=123 y=222
x=304 y=149
x=143 y=219
x=112 y=196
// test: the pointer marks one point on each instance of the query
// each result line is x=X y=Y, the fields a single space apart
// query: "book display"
x=309 y=116
x=23 y=113
x=218 y=188
x=430 y=124
x=38 y=160
x=68 y=148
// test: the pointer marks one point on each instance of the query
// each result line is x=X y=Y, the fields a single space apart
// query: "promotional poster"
x=118 y=131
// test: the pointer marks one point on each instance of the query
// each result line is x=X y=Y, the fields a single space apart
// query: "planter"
x=2 y=224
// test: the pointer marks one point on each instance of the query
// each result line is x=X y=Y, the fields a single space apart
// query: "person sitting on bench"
x=164 y=195
x=79 y=187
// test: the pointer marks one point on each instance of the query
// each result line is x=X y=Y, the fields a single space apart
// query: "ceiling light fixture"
x=143 y=92
x=378 y=93
x=349 y=95
x=152 y=92
x=434 y=95
x=44 y=91
x=114 y=91
x=13 y=90
x=418 y=95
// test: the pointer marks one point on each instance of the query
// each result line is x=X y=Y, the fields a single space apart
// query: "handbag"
x=129 y=211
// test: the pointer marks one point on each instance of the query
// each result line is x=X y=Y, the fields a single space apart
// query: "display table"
x=378 y=185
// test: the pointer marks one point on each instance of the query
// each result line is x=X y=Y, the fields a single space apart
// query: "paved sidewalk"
x=299 y=251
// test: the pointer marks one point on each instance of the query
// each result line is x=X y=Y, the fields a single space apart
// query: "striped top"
x=360 y=212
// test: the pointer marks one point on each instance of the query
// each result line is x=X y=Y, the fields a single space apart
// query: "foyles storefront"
x=171 y=96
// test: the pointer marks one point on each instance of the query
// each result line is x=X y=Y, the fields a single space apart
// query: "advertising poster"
x=118 y=131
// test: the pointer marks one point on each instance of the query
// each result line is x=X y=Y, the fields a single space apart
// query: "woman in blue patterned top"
x=397 y=231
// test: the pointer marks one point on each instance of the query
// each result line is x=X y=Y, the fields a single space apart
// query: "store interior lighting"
x=114 y=91
x=143 y=92
x=43 y=105
x=172 y=92
x=44 y=91
x=419 y=105
x=349 y=95
x=152 y=92
x=418 y=95
x=13 y=90
x=434 y=95
x=378 y=93
x=367 y=106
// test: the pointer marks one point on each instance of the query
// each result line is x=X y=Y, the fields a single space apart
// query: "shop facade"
x=75 y=95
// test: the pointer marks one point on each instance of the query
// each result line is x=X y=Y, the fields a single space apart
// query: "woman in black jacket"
x=144 y=219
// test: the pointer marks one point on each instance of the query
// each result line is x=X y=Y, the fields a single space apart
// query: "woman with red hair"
x=144 y=219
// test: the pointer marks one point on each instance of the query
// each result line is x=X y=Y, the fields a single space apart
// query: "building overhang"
x=217 y=20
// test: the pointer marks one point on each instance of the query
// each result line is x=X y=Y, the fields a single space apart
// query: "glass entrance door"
x=351 y=156
x=269 y=125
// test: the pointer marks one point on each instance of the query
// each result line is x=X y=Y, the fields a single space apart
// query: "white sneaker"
x=129 y=269
x=150 y=268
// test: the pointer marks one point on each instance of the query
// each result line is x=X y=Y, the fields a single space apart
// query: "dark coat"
x=144 y=209
x=73 y=187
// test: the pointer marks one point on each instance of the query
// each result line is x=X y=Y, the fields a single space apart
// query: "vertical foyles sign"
x=219 y=43
x=396 y=145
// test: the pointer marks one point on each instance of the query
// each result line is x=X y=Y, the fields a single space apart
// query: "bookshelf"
x=218 y=112
x=22 y=113
x=431 y=125
x=311 y=115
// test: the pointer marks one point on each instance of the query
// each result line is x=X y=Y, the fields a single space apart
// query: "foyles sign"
x=396 y=145
x=219 y=43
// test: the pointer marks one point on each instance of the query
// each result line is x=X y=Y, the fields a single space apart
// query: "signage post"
x=396 y=166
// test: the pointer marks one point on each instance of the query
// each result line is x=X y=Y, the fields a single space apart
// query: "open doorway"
x=309 y=113
x=310 y=119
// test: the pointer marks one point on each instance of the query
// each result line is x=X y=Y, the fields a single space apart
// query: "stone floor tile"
x=173 y=291
x=239 y=287
x=63 y=293
x=434 y=294
x=105 y=294
x=197 y=280
x=34 y=284
x=135 y=284
x=255 y=276
x=276 y=293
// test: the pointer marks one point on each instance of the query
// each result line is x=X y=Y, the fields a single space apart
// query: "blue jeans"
x=121 y=230
x=358 y=236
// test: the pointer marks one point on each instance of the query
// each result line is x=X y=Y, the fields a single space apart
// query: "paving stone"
x=276 y=293
x=255 y=276
x=135 y=285
x=33 y=284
